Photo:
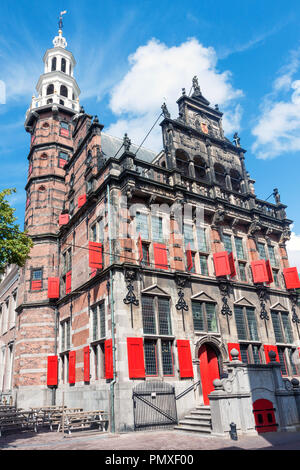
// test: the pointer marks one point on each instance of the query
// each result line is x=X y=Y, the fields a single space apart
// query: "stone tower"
x=49 y=121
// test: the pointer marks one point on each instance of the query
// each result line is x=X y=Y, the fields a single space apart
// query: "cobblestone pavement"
x=151 y=440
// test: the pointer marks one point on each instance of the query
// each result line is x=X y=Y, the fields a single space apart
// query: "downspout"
x=112 y=383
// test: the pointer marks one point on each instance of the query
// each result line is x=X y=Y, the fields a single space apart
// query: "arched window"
x=235 y=180
x=200 y=167
x=50 y=101
x=64 y=91
x=63 y=65
x=50 y=89
x=62 y=102
x=182 y=162
x=220 y=173
x=53 y=64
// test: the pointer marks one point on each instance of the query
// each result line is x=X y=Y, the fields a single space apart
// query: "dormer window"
x=63 y=65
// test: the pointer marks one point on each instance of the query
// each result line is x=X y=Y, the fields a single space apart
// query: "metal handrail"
x=187 y=390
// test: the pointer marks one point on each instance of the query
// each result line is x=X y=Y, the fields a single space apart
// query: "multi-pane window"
x=37 y=279
x=157 y=229
x=142 y=225
x=246 y=323
x=250 y=353
x=203 y=265
x=272 y=256
x=98 y=358
x=65 y=328
x=227 y=242
x=242 y=271
x=262 y=250
x=239 y=248
x=201 y=239
x=188 y=236
x=98 y=321
x=276 y=278
x=204 y=316
x=286 y=359
x=282 y=327
x=157 y=321
x=97 y=231
x=145 y=252
x=67 y=260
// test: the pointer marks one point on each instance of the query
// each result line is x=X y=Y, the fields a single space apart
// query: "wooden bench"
x=19 y=420
x=52 y=417
x=83 y=420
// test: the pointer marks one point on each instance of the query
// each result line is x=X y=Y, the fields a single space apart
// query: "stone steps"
x=198 y=420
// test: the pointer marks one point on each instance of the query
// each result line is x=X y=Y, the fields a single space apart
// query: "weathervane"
x=60 y=22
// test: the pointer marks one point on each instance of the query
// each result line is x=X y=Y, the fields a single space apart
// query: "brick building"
x=120 y=299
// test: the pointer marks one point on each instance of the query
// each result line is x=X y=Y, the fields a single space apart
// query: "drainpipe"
x=112 y=383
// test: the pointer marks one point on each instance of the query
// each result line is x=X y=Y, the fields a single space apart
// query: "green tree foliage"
x=14 y=244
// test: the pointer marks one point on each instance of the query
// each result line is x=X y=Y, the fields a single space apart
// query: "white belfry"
x=57 y=84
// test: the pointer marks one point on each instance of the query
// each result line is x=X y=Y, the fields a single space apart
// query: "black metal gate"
x=154 y=405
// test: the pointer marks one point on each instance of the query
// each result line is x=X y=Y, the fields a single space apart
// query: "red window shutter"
x=269 y=348
x=68 y=282
x=136 y=362
x=52 y=370
x=53 y=287
x=63 y=219
x=109 y=368
x=64 y=132
x=259 y=271
x=81 y=200
x=232 y=265
x=221 y=262
x=160 y=256
x=291 y=278
x=86 y=363
x=72 y=367
x=36 y=285
x=189 y=258
x=234 y=346
x=95 y=255
x=270 y=272
x=61 y=162
x=185 y=358
x=140 y=248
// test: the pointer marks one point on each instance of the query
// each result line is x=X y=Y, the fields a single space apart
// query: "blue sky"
x=132 y=55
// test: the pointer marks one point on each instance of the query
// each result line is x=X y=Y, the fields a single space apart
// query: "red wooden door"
x=209 y=370
x=264 y=416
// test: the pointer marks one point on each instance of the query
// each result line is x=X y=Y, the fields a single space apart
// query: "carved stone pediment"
x=203 y=297
x=278 y=306
x=155 y=290
x=244 y=302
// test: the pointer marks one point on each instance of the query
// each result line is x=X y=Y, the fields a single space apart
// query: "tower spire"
x=60 y=21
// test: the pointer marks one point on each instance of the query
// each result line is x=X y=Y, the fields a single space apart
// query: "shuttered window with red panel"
x=81 y=200
x=185 y=358
x=221 y=263
x=64 y=129
x=53 y=287
x=291 y=278
x=259 y=271
x=189 y=258
x=109 y=367
x=136 y=362
x=37 y=279
x=72 y=367
x=234 y=346
x=160 y=256
x=232 y=265
x=68 y=282
x=62 y=159
x=52 y=370
x=63 y=219
x=267 y=349
x=95 y=255
x=270 y=272
x=86 y=364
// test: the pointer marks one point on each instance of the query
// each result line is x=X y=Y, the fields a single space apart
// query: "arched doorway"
x=209 y=369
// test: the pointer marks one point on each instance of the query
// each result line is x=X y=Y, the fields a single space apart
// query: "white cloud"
x=277 y=130
x=293 y=249
x=157 y=73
